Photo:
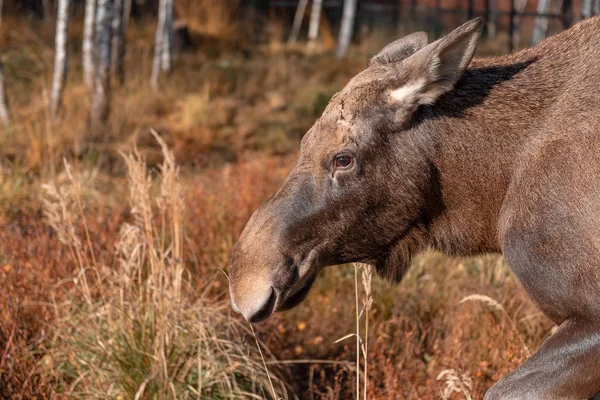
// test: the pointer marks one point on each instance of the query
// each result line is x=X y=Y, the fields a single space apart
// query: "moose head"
x=364 y=188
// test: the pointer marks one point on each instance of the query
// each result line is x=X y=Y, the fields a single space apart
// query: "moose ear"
x=435 y=69
x=400 y=49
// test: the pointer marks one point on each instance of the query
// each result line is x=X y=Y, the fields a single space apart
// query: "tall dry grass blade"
x=367 y=280
x=357 y=331
x=496 y=306
x=264 y=363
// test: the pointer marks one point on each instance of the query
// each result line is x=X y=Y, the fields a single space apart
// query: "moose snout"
x=255 y=279
x=258 y=305
x=265 y=269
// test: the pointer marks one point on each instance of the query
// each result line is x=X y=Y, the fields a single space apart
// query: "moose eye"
x=343 y=161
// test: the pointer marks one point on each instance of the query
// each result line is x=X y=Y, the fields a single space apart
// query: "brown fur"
x=499 y=157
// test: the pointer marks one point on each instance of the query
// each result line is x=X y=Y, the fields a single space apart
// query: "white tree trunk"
x=587 y=8
x=167 y=44
x=118 y=41
x=541 y=23
x=88 y=43
x=298 y=17
x=4 y=117
x=60 y=57
x=315 y=19
x=102 y=53
x=158 y=47
x=347 y=28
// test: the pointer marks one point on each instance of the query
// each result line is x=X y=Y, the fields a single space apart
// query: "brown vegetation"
x=233 y=117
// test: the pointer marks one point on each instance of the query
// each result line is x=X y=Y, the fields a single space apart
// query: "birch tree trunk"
x=102 y=52
x=298 y=17
x=118 y=41
x=167 y=44
x=88 y=43
x=4 y=117
x=60 y=57
x=315 y=19
x=347 y=28
x=587 y=8
x=541 y=23
x=158 y=47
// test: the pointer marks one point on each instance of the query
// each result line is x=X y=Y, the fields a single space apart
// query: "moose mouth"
x=282 y=300
x=298 y=293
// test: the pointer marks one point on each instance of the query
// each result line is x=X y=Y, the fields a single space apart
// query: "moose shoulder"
x=429 y=148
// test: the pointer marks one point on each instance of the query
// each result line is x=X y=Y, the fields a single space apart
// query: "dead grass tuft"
x=135 y=329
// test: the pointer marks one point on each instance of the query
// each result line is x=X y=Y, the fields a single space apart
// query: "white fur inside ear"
x=407 y=92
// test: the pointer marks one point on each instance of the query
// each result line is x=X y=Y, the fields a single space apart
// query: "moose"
x=430 y=148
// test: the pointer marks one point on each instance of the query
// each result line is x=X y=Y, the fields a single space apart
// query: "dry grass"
x=134 y=330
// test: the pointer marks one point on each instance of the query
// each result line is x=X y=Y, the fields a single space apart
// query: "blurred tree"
x=313 y=27
x=4 y=117
x=45 y=10
x=347 y=28
x=88 y=43
x=587 y=8
x=298 y=17
x=492 y=17
x=118 y=41
x=541 y=22
x=167 y=44
x=60 y=57
x=162 y=48
x=126 y=15
x=519 y=6
x=100 y=106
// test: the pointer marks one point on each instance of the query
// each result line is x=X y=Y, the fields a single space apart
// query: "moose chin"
x=430 y=148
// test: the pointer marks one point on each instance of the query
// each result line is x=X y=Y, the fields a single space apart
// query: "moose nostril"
x=266 y=310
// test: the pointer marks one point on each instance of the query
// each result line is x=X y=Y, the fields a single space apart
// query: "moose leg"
x=566 y=366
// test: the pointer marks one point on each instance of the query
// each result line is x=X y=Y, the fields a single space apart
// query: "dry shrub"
x=136 y=330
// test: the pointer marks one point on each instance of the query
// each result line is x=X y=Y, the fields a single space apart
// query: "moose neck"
x=473 y=136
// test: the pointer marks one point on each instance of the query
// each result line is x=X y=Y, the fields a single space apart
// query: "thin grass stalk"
x=366 y=280
x=357 y=331
x=495 y=305
x=77 y=196
x=264 y=364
